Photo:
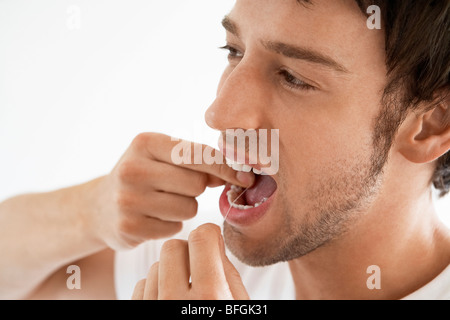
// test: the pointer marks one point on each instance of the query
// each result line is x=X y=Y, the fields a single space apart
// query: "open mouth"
x=253 y=197
x=242 y=206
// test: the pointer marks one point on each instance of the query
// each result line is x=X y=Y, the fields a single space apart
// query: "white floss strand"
x=234 y=201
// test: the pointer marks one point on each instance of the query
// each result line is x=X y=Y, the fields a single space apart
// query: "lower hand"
x=193 y=269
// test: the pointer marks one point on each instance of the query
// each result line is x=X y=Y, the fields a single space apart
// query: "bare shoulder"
x=89 y=278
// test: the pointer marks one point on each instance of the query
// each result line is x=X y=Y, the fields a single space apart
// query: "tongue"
x=264 y=187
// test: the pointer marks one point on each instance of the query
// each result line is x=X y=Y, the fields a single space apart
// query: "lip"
x=237 y=217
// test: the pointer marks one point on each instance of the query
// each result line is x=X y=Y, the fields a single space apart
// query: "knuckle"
x=142 y=139
x=124 y=202
x=146 y=141
x=128 y=224
x=128 y=170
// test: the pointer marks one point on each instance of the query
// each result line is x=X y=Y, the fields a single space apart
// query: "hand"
x=202 y=259
x=146 y=196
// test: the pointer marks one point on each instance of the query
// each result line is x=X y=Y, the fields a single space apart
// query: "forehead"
x=337 y=28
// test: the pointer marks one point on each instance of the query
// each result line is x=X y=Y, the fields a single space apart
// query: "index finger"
x=207 y=271
x=195 y=156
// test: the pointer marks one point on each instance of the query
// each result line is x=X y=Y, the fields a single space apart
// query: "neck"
x=399 y=234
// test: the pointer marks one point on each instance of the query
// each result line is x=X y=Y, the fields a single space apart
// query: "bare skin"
x=345 y=220
x=326 y=113
x=144 y=197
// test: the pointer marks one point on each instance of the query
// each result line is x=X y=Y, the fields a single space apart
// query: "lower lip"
x=239 y=217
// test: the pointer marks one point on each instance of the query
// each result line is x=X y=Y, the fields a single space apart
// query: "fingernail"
x=245 y=178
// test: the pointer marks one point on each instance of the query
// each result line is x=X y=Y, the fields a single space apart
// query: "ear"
x=425 y=137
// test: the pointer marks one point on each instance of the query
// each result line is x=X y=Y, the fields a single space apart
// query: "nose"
x=242 y=99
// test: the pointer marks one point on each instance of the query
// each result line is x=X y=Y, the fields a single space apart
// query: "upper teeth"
x=242 y=167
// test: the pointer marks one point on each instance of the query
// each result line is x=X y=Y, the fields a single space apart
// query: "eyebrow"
x=230 y=26
x=290 y=51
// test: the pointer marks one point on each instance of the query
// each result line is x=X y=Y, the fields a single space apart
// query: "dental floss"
x=234 y=201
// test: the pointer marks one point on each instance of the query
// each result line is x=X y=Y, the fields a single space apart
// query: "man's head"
x=346 y=99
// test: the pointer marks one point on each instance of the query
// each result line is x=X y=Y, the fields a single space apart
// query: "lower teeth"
x=234 y=193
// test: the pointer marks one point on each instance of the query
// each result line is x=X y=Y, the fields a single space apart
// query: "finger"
x=151 y=284
x=163 y=206
x=164 y=177
x=217 y=166
x=174 y=270
x=138 y=293
x=175 y=179
x=233 y=277
x=172 y=207
x=186 y=154
x=146 y=228
x=214 y=181
x=205 y=258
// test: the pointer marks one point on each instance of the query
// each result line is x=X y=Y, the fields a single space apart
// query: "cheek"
x=328 y=128
x=321 y=148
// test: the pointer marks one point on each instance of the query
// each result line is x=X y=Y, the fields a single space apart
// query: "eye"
x=293 y=83
x=233 y=52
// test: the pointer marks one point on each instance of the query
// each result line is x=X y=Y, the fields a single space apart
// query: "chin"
x=251 y=251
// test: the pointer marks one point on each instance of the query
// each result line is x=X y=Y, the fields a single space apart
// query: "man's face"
x=316 y=73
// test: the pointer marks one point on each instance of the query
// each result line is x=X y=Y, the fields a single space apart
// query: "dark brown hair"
x=417 y=46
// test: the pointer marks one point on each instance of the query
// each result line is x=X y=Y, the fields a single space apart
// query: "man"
x=364 y=124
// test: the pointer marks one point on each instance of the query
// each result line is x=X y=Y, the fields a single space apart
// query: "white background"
x=79 y=79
